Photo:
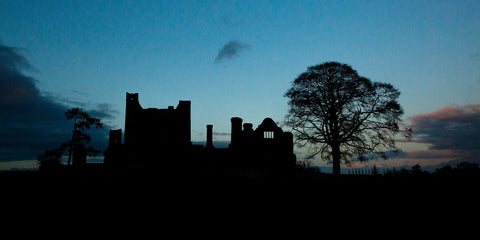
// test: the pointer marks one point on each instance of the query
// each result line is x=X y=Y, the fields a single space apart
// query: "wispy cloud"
x=475 y=55
x=221 y=134
x=230 y=20
x=231 y=50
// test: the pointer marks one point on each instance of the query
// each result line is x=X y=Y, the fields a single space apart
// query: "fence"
x=375 y=171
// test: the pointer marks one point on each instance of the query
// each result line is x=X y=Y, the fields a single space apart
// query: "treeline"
x=461 y=169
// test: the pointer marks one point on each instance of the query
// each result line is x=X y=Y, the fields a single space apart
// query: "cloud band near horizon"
x=451 y=132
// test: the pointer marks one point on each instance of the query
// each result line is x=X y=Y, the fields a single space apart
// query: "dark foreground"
x=97 y=181
x=230 y=201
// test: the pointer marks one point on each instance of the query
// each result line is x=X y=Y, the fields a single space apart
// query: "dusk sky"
x=235 y=58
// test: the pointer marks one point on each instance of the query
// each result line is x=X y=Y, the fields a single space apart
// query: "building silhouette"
x=268 y=146
x=156 y=128
x=161 y=138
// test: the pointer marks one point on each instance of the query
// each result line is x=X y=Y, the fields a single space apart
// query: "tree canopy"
x=342 y=115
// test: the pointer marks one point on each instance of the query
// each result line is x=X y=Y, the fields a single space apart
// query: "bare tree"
x=342 y=115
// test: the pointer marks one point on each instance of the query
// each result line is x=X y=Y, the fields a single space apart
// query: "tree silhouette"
x=417 y=171
x=342 y=115
x=51 y=159
x=82 y=121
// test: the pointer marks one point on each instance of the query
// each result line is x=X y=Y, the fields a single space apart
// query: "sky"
x=234 y=58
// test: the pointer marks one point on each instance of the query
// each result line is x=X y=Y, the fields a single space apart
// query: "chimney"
x=247 y=128
x=236 y=131
x=209 y=137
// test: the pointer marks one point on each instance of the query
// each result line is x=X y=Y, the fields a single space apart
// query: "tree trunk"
x=336 y=159
x=73 y=140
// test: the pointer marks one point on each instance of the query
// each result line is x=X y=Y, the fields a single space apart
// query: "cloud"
x=231 y=50
x=221 y=134
x=383 y=155
x=452 y=131
x=31 y=122
x=433 y=154
x=475 y=55
x=231 y=20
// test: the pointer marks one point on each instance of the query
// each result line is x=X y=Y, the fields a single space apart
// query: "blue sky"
x=89 y=53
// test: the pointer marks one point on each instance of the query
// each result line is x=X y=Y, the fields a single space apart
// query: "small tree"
x=81 y=122
x=341 y=114
x=51 y=159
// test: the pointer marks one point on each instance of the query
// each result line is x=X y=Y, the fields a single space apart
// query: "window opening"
x=268 y=135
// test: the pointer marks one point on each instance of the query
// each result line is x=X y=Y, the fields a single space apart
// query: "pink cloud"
x=452 y=133
x=452 y=113
x=432 y=154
